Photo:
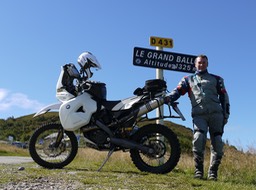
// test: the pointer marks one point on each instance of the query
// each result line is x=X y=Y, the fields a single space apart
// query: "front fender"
x=55 y=106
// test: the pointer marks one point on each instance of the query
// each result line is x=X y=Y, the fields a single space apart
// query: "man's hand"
x=225 y=121
x=167 y=99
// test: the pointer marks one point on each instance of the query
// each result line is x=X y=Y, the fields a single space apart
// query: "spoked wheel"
x=50 y=149
x=165 y=145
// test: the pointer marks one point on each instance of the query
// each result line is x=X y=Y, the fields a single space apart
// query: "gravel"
x=14 y=159
x=40 y=183
x=43 y=183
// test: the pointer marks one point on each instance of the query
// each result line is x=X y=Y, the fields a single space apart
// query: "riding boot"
x=199 y=165
x=214 y=166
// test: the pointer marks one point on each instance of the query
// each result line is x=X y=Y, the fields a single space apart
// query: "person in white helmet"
x=210 y=112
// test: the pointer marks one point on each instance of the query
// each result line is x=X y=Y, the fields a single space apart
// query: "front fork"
x=60 y=136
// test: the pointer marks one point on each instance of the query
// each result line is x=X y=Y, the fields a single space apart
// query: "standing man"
x=210 y=112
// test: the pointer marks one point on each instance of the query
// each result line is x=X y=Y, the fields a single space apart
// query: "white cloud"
x=3 y=94
x=12 y=101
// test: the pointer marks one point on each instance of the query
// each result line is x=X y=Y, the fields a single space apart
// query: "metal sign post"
x=160 y=43
x=159 y=75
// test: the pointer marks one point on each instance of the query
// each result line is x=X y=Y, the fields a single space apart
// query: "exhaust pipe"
x=151 y=105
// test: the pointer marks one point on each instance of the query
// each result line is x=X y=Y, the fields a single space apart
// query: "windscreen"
x=72 y=71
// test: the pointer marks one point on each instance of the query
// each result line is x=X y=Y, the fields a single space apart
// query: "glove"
x=225 y=121
x=167 y=100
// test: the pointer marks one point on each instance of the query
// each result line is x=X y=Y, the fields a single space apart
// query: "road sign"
x=163 y=60
x=161 y=42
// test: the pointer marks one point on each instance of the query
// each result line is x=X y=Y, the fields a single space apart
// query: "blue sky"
x=38 y=37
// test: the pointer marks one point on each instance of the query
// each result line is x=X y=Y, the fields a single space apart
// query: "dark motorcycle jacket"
x=206 y=92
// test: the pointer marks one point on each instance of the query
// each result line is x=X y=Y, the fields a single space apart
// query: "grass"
x=237 y=171
x=8 y=150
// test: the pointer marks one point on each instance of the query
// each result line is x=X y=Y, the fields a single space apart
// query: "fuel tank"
x=77 y=112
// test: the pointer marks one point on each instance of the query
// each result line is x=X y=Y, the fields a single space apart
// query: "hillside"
x=21 y=128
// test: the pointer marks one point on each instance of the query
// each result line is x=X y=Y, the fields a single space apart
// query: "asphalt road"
x=14 y=159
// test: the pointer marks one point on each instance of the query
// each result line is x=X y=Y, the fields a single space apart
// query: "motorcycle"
x=106 y=125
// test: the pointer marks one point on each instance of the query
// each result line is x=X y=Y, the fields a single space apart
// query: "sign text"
x=163 y=60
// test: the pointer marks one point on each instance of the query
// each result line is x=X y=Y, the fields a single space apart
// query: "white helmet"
x=87 y=60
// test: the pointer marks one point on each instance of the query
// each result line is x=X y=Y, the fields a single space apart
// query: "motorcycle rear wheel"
x=166 y=148
x=43 y=150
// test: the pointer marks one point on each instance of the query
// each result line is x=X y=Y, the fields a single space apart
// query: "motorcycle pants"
x=202 y=124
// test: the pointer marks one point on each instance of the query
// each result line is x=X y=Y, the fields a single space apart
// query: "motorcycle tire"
x=166 y=148
x=43 y=151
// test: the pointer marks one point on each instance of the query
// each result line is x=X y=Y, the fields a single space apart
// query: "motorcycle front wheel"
x=49 y=152
x=165 y=145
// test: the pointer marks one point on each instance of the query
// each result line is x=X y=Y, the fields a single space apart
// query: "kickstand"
x=106 y=159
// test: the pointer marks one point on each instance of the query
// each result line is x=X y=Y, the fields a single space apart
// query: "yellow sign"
x=161 y=42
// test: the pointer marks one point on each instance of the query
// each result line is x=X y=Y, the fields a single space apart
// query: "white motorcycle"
x=106 y=125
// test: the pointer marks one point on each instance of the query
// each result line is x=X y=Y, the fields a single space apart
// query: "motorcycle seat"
x=110 y=104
